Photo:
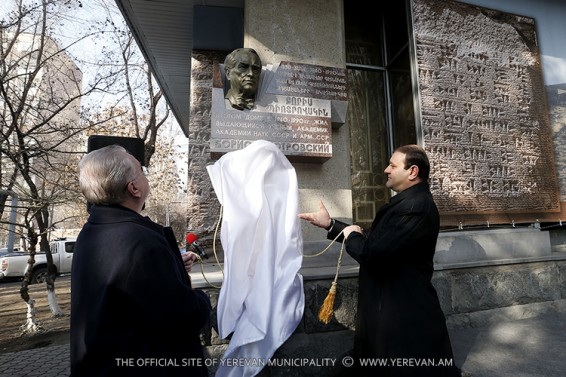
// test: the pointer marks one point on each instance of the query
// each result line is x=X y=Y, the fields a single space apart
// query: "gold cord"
x=327 y=309
x=332 y=289
x=325 y=249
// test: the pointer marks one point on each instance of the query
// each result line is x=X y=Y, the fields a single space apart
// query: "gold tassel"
x=327 y=308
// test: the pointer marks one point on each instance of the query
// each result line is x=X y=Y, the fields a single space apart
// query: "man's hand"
x=321 y=218
x=353 y=228
x=189 y=259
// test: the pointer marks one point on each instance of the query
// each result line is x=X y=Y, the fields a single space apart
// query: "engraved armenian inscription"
x=483 y=109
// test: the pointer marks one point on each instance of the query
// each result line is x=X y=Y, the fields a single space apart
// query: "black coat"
x=132 y=305
x=399 y=318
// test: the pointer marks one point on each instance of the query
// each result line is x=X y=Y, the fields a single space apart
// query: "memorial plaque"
x=483 y=110
x=310 y=81
x=296 y=107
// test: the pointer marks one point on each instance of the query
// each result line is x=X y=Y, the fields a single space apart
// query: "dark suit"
x=132 y=304
x=399 y=317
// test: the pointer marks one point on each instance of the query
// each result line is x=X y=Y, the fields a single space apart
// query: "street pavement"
x=533 y=347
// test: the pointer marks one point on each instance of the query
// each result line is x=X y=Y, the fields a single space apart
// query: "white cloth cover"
x=262 y=298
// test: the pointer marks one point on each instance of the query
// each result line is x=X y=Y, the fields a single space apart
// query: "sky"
x=86 y=53
x=73 y=24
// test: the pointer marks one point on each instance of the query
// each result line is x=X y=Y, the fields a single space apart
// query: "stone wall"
x=203 y=206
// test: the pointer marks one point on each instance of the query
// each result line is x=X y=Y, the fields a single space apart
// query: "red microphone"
x=192 y=240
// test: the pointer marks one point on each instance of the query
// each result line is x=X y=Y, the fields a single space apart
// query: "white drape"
x=262 y=298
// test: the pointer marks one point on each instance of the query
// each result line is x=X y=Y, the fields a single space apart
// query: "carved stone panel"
x=483 y=110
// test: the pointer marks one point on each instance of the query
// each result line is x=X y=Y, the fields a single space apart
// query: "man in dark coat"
x=133 y=310
x=400 y=324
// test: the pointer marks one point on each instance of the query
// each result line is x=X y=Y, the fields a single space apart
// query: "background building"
x=40 y=105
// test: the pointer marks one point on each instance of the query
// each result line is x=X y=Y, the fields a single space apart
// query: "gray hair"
x=104 y=174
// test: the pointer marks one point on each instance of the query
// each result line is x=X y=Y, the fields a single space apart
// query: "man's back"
x=129 y=295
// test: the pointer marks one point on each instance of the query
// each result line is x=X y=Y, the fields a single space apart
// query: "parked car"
x=4 y=250
x=15 y=264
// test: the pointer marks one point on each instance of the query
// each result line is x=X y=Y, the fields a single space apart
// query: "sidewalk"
x=46 y=362
x=533 y=347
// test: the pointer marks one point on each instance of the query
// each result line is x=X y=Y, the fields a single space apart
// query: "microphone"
x=192 y=240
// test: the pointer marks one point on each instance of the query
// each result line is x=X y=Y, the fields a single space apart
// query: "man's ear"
x=133 y=189
x=414 y=174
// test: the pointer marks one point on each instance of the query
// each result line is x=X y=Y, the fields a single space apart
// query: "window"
x=380 y=110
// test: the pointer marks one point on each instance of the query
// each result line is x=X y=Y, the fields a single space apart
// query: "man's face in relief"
x=244 y=76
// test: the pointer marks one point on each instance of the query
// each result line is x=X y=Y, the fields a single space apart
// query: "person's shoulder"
x=417 y=197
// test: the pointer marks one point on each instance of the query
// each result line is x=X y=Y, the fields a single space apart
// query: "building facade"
x=478 y=84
